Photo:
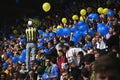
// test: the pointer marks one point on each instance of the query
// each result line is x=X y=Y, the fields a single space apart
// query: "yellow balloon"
x=89 y=9
x=46 y=6
x=59 y=26
x=82 y=18
x=75 y=17
x=64 y=20
x=100 y=10
x=15 y=31
x=105 y=10
x=83 y=12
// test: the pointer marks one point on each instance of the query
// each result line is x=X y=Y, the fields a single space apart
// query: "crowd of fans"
x=54 y=53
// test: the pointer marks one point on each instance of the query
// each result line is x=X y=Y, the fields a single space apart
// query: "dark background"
x=10 y=10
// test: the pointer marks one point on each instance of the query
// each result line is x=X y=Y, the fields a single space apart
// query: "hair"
x=107 y=64
x=89 y=58
x=51 y=41
x=53 y=60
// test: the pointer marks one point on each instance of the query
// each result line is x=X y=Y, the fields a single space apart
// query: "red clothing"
x=60 y=61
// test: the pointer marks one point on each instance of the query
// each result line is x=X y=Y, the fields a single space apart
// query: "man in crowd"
x=31 y=35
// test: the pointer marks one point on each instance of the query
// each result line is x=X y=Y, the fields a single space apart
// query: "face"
x=65 y=75
x=49 y=45
x=47 y=62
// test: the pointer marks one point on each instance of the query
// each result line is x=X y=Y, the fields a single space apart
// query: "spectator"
x=55 y=73
x=31 y=43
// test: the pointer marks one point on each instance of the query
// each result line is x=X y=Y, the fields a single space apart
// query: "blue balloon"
x=46 y=51
x=21 y=58
x=40 y=46
x=15 y=59
x=90 y=32
x=95 y=16
x=45 y=35
x=22 y=41
x=103 y=30
x=47 y=40
x=75 y=41
x=52 y=34
x=90 y=16
x=74 y=28
x=9 y=53
x=5 y=64
x=83 y=27
x=23 y=52
x=59 y=32
x=110 y=13
x=41 y=40
x=66 y=31
x=11 y=37
x=80 y=23
x=40 y=32
x=77 y=35
x=100 y=25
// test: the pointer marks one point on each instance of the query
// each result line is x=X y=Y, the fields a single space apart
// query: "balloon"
x=14 y=59
x=41 y=40
x=23 y=52
x=100 y=10
x=9 y=53
x=89 y=9
x=90 y=32
x=95 y=16
x=90 y=16
x=15 y=31
x=22 y=41
x=11 y=37
x=52 y=34
x=47 y=40
x=66 y=31
x=103 y=30
x=83 y=27
x=110 y=13
x=21 y=58
x=59 y=26
x=75 y=41
x=75 y=17
x=5 y=64
x=45 y=35
x=64 y=20
x=40 y=32
x=80 y=23
x=46 y=6
x=74 y=28
x=83 y=12
x=46 y=51
x=82 y=18
x=40 y=46
x=77 y=36
x=100 y=25
x=59 y=32
x=105 y=10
